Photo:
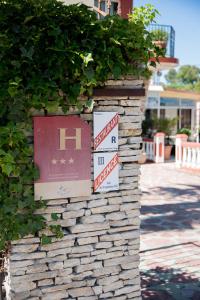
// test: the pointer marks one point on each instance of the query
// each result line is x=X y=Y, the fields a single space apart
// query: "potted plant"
x=160 y=38
x=166 y=126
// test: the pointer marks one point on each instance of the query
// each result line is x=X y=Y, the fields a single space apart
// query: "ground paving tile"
x=170 y=233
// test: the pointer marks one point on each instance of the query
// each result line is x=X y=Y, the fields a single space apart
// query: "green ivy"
x=50 y=55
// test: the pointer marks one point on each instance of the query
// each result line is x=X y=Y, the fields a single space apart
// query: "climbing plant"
x=50 y=55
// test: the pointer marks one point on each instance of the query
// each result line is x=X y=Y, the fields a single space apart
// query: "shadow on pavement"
x=187 y=190
x=183 y=214
x=169 y=284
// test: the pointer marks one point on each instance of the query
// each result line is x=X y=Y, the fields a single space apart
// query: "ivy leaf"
x=28 y=19
x=86 y=58
x=116 y=71
x=27 y=52
x=54 y=216
x=7 y=169
x=45 y=240
x=115 y=41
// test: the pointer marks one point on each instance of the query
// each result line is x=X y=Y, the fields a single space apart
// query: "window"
x=186 y=115
x=114 y=8
x=162 y=114
x=152 y=102
x=169 y=102
x=187 y=103
x=103 y=6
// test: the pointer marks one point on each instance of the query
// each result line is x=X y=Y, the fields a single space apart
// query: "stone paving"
x=170 y=233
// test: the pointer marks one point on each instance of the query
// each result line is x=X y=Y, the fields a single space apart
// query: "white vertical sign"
x=106 y=171
x=105 y=131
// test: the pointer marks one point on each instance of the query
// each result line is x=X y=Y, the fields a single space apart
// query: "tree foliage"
x=187 y=77
x=50 y=55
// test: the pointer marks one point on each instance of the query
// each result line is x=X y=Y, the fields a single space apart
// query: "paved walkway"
x=170 y=241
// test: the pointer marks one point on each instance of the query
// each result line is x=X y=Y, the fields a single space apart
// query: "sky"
x=184 y=16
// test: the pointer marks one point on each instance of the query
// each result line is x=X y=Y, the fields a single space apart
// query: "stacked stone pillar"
x=98 y=257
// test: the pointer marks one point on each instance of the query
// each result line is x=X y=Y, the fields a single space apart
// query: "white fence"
x=148 y=148
x=187 y=153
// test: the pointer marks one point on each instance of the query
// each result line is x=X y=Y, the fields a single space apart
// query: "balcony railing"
x=170 y=33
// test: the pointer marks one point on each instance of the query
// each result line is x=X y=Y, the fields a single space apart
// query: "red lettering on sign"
x=105 y=172
x=105 y=131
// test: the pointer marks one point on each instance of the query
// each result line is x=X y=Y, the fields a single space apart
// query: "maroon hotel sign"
x=62 y=151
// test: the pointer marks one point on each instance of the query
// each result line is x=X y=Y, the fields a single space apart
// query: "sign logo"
x=62 y=151
x=63 y=138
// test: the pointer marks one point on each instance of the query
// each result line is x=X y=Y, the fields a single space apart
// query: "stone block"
x=45 y=282
x=113 y=286
x=116 y=216
x=70 y=263
x=55 y=296
x=131 y=265
x=103 y=245
x=86 y=291
x=109 y=255
x=82 y=249
x=89 y=240
x=120 y=260
x=130 y=206
x=76 y=206
x=115 y=200
x=89 y=227
x=28 y=256
x=20 y=296
x=111 y=270
x=88 y=298
x=88 y=267
x=22 y=286
x=97 y=290
x=36 y=293
x=108 y=295
x=58 y=245
x=37 y=268
x=82 y=277
x=105 y=209
x=125 y=290
x=87 y=260
x=98 y=218
x=128 y=126
x=129 y=274
x=33 y=277
x=132 y=111
x=26 y=241
x=120 y=242
x=133 y=103
x=25 y=248
x=108 y=280
x=73 y=214
x=56 y=252
x=118 y=109
x=56 y=266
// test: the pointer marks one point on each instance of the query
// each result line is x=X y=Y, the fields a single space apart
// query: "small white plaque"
x=105 y=131
x=106 y=172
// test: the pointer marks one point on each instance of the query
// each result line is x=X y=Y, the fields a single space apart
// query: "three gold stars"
x=62 y=161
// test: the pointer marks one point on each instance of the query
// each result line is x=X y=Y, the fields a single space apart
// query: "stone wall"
x=98 y=256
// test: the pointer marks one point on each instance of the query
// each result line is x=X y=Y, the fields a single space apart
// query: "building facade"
x=182 y=105
x=107 y=7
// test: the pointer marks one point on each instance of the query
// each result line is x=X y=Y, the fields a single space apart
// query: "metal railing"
x=168 y=31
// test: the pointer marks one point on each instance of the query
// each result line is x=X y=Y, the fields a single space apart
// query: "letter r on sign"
x=113 y=139
x=76 y=137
